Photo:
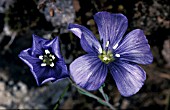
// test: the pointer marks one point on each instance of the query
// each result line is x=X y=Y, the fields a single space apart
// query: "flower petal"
x=111 y=27
x=135 y=48
x=54 y=44
x=129 y=78
x=45 y=74
x=60 y=69
x=31 y=61
x=38 y=42
x=88 y=41
x=88 y=72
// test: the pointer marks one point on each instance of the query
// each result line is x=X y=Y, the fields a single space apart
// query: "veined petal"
x=25 y=56
x=54 y=44
x=111 y=27
x=135 y=48
x=31 y=61
x=41 y=74
x=88 y=41
x=38 y=42
x=45 y=74
x=60 y=69
x=88 y=72
x=129 y=78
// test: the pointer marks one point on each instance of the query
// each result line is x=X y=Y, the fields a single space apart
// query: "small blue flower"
x=45 y=60
x=116 y=53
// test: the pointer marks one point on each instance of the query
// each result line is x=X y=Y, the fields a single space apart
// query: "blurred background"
x=19 y=19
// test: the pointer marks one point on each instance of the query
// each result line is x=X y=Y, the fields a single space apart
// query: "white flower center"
x=48 y=59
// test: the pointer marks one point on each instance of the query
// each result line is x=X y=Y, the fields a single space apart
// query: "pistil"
x=106 y=57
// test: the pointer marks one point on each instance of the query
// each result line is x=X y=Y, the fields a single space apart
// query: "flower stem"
x=104 y=102
x=106 y=98
x=61 y=96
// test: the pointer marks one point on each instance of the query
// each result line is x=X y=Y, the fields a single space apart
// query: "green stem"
x=105 y=102
x=103 y=94
x=61 y=96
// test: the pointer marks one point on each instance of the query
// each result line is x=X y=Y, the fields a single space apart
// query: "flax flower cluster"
x=114 y=53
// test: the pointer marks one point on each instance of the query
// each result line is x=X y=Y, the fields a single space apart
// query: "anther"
x=47 y=52
x=40 y=57
x=107 y=43
x=52 y=64
x=53 y=57
x=43 y=64
x=117 y=55
x=100 y=50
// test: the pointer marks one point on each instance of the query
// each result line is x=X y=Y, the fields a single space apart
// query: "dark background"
x=19 y=19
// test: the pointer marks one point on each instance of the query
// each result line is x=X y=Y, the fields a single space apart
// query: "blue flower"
x=45 y=60
x=116 y=53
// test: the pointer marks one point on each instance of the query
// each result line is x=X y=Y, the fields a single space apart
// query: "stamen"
x=47 y=52
x=52 y=64
x=100 y=50
x=43 y=64
x=117 y=55
x=114 y=47
x=53 y=57
x=107 y=43
x=40 y=57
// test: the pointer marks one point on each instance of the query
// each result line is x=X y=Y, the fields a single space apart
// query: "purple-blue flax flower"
x=116 y=53
x=45 y=60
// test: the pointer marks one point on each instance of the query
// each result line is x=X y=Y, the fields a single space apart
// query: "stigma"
x=106 y=57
